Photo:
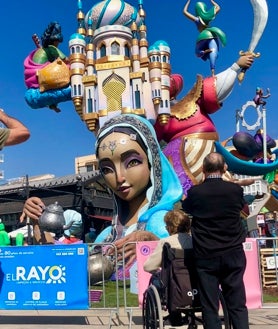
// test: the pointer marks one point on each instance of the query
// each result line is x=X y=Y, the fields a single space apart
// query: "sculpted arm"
x=187 y=13
x=32 y=210
x=127 y=245
x=216 y=7
x=225 y=80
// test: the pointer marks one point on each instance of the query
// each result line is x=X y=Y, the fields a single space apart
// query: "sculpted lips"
x=123 y=189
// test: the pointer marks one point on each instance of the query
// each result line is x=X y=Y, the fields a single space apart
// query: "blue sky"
x=56 y=139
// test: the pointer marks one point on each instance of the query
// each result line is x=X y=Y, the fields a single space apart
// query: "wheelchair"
x=172 y=296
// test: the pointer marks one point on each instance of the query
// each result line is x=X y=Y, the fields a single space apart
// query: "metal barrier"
x=121 y=284
x=129 y=308
x=113 y=293
x=103 y=293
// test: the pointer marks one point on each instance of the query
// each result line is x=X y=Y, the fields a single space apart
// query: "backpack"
x=179 y=278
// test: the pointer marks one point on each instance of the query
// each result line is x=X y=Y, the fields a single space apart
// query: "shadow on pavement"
x=82 y=320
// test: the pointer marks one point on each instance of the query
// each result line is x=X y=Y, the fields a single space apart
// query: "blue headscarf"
x=165 y=189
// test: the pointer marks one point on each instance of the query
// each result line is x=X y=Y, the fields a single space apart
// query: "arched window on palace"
x=115 y=48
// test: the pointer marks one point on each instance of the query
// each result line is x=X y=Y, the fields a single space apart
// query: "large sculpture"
x=143 y=183
x=190 y=134
x=142 y=180
x=209 y=38
x=46 y=72
x=114 y=71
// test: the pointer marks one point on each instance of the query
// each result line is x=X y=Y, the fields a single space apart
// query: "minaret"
x=136 y=74
x=80 y=19
x=90 y=112
x=147 y=102
x=77 y=61
x=135 y=57
x=143 y=43
x=164 y=108
x=155 y=76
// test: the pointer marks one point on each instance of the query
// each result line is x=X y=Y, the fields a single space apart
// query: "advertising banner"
x=44 y=277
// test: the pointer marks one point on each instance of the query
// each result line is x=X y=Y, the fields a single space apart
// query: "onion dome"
x=161 y=45
x=75 y=36
x=112 y=12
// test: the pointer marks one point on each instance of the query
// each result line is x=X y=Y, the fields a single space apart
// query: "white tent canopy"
x=23 y=230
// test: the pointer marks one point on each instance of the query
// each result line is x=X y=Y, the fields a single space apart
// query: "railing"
x=118 y=295
x=100 y=269
x=267 y=263
x=114 y=293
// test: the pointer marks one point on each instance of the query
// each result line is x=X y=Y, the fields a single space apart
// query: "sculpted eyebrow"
x=104 y=160
x=129 y=153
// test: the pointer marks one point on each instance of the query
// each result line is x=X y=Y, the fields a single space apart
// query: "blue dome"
x=162 y=45
x=159 y=43
x=153 y=48
x=159 y=46
x=77 y=36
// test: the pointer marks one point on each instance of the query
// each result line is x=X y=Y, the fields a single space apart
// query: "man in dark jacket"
x=218 y=236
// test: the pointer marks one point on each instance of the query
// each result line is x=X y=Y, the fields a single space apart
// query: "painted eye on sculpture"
x=133 y=162
x=106 y=170
x=106 y=167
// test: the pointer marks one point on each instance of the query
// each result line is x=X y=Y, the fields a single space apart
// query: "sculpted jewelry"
x=111 y=145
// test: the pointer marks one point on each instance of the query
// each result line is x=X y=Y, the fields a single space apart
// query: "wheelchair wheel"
x=225 y=316
x=152 y=313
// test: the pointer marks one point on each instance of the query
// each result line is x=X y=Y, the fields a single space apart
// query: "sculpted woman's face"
x=124 y=166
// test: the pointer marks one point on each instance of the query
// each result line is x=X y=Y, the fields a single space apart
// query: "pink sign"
x=251 y=276
x=143 y=250
x=252 y=279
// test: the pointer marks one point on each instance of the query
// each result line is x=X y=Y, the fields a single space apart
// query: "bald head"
x=214 y=163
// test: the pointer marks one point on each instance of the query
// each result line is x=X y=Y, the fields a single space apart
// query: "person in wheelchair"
x=177 y=223
x=170 y=265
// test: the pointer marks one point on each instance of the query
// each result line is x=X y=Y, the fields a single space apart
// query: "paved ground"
x=264 y=318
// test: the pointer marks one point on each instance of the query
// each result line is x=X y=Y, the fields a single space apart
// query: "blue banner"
x=44 y=277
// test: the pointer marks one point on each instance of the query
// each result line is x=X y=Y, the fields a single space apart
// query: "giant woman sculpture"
x=142 y=180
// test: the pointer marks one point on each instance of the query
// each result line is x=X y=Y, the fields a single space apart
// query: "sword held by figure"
x=260 y=10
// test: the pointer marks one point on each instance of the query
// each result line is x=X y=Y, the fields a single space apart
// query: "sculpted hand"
x=127 y=245
x=33 y=208
x=244 y=182
x=245 y=61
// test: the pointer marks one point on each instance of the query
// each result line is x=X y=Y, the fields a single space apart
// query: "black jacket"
x=216 y=225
